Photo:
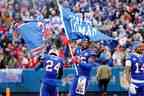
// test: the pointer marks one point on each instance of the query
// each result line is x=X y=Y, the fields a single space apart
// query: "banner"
x=10 y=75
x=74 y=24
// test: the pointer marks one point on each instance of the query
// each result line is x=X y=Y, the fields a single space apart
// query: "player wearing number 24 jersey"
x=135 y=63
x=53 y=70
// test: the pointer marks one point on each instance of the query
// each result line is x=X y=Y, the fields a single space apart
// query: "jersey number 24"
x=51 y=66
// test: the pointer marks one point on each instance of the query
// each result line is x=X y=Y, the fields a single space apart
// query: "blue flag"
x=32 y=34
x=75 y=26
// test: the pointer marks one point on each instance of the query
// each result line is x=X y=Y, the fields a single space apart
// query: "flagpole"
x=61 y=16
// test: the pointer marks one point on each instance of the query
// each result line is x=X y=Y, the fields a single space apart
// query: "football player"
x=134 y=72
x=53 y=71
x=80 y=83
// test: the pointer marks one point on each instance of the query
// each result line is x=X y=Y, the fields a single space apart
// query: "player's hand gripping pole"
x=61 y=15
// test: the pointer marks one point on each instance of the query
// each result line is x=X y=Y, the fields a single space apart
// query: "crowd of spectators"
x=120 y=19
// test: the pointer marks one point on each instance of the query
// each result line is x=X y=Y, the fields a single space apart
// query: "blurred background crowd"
x=120 y=19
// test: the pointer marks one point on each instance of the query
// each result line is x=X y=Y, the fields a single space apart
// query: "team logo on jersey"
x=81 y=85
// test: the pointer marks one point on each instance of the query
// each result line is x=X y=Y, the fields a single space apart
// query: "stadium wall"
x=30 y=82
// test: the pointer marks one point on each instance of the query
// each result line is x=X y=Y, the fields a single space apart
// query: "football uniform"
x=136 y=62
x=80 y=82
x=52 y=65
